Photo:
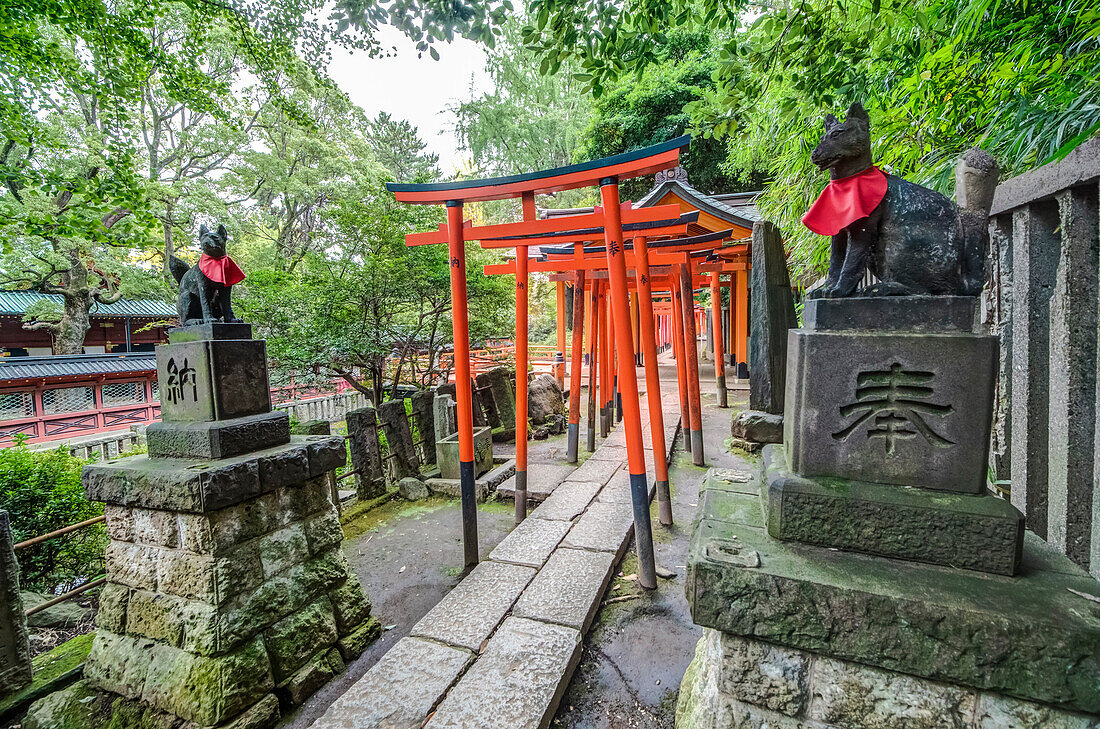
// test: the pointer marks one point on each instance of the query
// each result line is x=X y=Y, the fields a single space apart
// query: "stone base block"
x=1034 y=638
x=981 y=533
x=446 y=453
x=218 y=439
x=211 y=331
x=904 y=408
x=218 y=379
x=739 y=683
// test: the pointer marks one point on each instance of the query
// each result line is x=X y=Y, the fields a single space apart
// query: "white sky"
x=416 y=89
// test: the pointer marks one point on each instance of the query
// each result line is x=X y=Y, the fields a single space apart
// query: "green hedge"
x=41 y=491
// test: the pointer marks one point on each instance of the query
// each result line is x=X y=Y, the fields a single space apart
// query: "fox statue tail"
x=178 y=267
x=976 y=177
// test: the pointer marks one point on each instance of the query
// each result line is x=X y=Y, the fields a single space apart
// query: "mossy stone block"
x=1033 y=637
x=353 y=644
x=350 y=605
x=297 y=637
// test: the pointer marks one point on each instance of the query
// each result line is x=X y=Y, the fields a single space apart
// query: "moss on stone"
x=358 y=521
x=52 y=670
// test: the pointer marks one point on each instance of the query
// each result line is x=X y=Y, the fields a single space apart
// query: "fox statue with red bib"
x=205 y=289
x=914 y=240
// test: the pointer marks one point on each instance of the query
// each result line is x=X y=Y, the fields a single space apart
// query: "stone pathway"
x=500 y=649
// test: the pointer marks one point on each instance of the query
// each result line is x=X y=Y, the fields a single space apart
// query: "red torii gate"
x=605 y=173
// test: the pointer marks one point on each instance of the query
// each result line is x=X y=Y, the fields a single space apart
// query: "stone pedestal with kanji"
x=228 y=599
x=888 y=412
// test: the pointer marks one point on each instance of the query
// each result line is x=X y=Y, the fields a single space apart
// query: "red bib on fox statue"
x=845 y=201
x=221 y=270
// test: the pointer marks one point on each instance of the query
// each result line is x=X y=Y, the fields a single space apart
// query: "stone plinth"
x=15 y=654
x=977 y=532
x=228 y=599
x=879 y=640
x=896 y=404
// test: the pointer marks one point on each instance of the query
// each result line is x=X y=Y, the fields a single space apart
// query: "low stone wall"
x=739 y=683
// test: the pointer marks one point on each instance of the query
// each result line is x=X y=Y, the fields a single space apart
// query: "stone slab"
x=198 y=486
x=975 y=532
x=604 y=527
x=400 y=690
x=15 y=654
x=568 y=501
x=210 y=332
x=531 y=542
x=517 y=683
x=617 y=490
x=607 y=452
x=218 y=439
x=892 y=313
x=568 y=589
x=1034 y=637
x=733 y=507
x=542 y=479
x=474 y=608
x=595 y=471
x=898 y=408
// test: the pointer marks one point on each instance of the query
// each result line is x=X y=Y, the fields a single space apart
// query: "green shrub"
x=41 y=491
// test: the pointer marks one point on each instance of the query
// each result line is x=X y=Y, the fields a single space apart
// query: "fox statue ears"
x=222 y=232
x=855 y=111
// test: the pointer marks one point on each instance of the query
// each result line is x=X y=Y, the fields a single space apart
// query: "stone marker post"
x=15 y=653
x=366 y=453
x=228 y=599
x=395 y=424
x=772 y=315
x=443 y=416
x=422 y=403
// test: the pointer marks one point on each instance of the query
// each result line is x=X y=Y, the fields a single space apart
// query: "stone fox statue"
x=914 y=240
x=205 y=289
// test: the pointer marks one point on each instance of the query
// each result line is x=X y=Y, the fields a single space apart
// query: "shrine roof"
x=21 y=368
x=583 y=174
x=16 y=303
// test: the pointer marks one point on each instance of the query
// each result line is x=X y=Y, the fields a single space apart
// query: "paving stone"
x=470 y=612
x=595 y=471
x=607 y=452
x=517 y=683
x=542 y=479
x=400 y=690
x=617 y=490
x=604 y=527
x=568 y=501
x=568 y=589
x=531 y=542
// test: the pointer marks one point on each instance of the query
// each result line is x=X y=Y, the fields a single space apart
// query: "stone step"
x=399 y=690
x=568 y=589
x=517 y=683
x=531 y=542
x=567 y=502
x=475 y=607
x=603 y=527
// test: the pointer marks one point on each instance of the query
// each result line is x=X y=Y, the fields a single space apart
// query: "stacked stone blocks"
x=228 y=600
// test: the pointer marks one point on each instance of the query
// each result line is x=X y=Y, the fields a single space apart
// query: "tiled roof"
x=18 y=368
x=16 y=303
x=738 y=208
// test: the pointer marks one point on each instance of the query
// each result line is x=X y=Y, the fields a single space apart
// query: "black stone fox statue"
x=205 y=289
x=914 y=240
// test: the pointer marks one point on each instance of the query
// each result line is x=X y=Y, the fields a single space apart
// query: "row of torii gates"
x=595 y=250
